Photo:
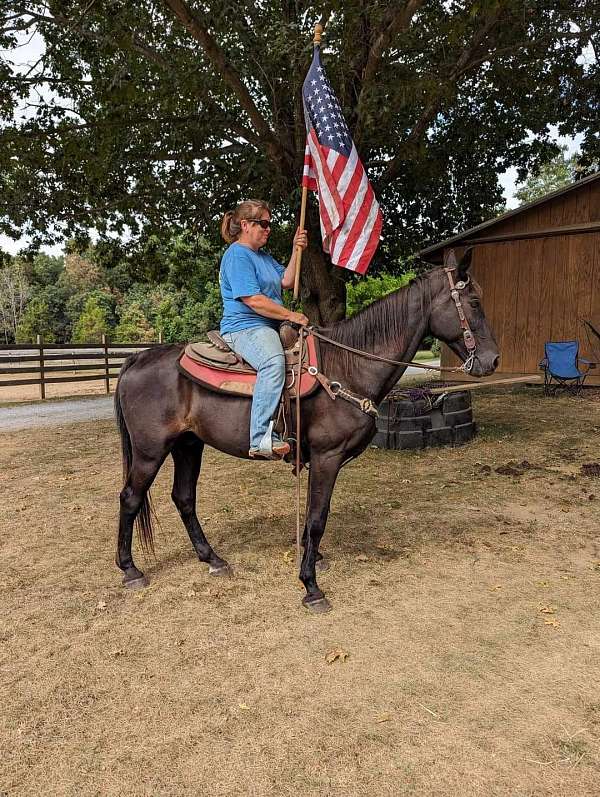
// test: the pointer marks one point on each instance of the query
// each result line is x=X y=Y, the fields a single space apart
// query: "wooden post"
x=160 y=336
x=316 y=40
x=106 y=371
x=42 y=372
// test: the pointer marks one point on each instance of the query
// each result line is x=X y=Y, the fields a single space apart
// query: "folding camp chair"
x=561 y=367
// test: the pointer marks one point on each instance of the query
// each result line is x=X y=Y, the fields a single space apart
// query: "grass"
x=424 y=355
x=465 y=598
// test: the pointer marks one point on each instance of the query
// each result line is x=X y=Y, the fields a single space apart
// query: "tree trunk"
x=322 y=285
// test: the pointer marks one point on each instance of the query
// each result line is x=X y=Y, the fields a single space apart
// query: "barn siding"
x=539 y=289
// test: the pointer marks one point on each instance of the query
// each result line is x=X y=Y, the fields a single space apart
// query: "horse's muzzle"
x=484 y=366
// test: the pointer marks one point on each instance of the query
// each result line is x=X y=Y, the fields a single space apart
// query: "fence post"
x=106 y=372
x=160 y=340
x=42 y=372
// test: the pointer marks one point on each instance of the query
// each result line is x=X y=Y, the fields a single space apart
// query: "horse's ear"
x=464 y=264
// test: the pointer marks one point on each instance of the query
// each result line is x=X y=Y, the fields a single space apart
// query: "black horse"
x=160 y=412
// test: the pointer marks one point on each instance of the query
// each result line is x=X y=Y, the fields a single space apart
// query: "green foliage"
x=551 y=176
x=92 y=323
x=360 y=294
x=134 y=326
x=36 y=320
x=439 y=98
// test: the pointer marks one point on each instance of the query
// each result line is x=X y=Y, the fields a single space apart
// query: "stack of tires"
x=417 y=421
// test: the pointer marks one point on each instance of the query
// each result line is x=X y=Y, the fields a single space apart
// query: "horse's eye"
x=475 y=303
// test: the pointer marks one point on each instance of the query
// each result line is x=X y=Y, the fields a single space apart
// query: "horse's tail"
x=143 y=519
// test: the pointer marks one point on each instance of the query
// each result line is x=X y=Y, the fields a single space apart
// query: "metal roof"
x=509 y=214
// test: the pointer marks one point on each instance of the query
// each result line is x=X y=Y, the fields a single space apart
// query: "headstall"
x=469 y=338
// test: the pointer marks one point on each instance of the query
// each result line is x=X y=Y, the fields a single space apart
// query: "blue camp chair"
x=561 y=367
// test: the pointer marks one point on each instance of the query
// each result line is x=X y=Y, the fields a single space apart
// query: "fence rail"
x=110 y=357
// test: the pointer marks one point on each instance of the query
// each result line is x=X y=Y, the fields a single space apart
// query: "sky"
x=32 y=48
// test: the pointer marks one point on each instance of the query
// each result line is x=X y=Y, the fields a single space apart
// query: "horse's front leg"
x=321 y=481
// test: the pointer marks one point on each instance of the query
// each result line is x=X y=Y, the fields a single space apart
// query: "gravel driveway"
x=56 y=413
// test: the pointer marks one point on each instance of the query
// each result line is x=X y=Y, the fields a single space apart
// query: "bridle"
x=468 y=336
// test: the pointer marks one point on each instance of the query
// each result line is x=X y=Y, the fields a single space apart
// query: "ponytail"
x=231 y=226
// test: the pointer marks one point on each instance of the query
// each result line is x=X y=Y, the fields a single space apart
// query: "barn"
x=539 y=268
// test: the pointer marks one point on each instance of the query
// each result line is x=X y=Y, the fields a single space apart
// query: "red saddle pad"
x=223 y=380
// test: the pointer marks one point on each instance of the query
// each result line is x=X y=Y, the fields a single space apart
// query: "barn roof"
x=486 y=225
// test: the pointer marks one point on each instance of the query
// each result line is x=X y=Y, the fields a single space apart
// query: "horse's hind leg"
x=133 y=497
x=187 y=458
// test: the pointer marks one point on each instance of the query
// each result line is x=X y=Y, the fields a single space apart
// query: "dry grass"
x=467 y=600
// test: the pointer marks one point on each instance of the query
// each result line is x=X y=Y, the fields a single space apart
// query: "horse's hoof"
x=322 y=565
x=136 y=583
x=318 y=606
x=223 y=571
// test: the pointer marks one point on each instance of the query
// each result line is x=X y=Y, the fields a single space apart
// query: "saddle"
x=216 y=366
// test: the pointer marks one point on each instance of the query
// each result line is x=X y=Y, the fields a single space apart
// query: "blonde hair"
x=231 y=226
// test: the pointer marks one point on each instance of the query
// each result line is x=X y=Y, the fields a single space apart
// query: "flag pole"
x=316 y=40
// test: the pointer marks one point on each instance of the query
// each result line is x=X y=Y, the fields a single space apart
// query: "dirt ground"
x=466 y=598
x=18 y=393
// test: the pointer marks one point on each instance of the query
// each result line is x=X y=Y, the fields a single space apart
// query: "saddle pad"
x=241 y=383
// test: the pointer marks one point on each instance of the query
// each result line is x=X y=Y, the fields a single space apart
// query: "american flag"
x=350 y=217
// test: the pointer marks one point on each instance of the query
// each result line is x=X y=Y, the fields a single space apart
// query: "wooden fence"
x=39 y=362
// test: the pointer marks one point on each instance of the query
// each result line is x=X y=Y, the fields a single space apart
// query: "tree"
x=14 y=291
x=439 y=97
x=92 y=323
x=36 y=320
x=555 y=174
x=134 y=326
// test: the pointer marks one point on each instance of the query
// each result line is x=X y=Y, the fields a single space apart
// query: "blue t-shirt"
x=245 y=272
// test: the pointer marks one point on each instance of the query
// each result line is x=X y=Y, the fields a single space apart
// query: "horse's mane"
x=384 y=319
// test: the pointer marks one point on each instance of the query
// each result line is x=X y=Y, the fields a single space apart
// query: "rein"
x=468 y=336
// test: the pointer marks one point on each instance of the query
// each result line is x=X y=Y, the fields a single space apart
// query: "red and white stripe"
x=351 y=219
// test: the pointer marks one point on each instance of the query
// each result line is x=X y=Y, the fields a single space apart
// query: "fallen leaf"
x=191 y=594
x=244 y=707
x=288 y=556
x=101 y=605
x=554 y=623
x=547 y=609
x=362 y=557
x=405 y=481
x=337 y=653
x=384 y=718
x=496 y=586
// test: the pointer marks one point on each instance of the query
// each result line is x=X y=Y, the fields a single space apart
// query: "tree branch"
x=466 y=61
x=230 y=76
x=394 y=24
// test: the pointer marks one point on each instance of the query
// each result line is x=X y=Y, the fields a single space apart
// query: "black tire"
x=410 y=424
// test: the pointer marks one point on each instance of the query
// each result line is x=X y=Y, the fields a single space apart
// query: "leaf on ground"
x=244 y=707
x=191 y=594
x=384 y=718
x=288 y=556
x=496 y=587
x=101 y=605
x=362 y=557
x=337 y=654
x=548 y=609
x=554 y=623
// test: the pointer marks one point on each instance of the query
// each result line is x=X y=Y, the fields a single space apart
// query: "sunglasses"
x=264 y=223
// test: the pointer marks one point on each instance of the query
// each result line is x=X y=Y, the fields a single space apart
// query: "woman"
x=251 y=286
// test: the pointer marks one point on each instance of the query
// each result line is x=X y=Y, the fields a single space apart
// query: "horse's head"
x=458 y=320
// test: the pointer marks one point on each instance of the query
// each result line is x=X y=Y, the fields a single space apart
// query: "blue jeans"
x=261 y=347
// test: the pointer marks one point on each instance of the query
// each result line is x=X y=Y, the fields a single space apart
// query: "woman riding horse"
x=251 y=284
x=162 y=413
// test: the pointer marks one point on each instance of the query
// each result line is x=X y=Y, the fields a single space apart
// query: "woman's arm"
x=266 y=307
x=301 y=240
